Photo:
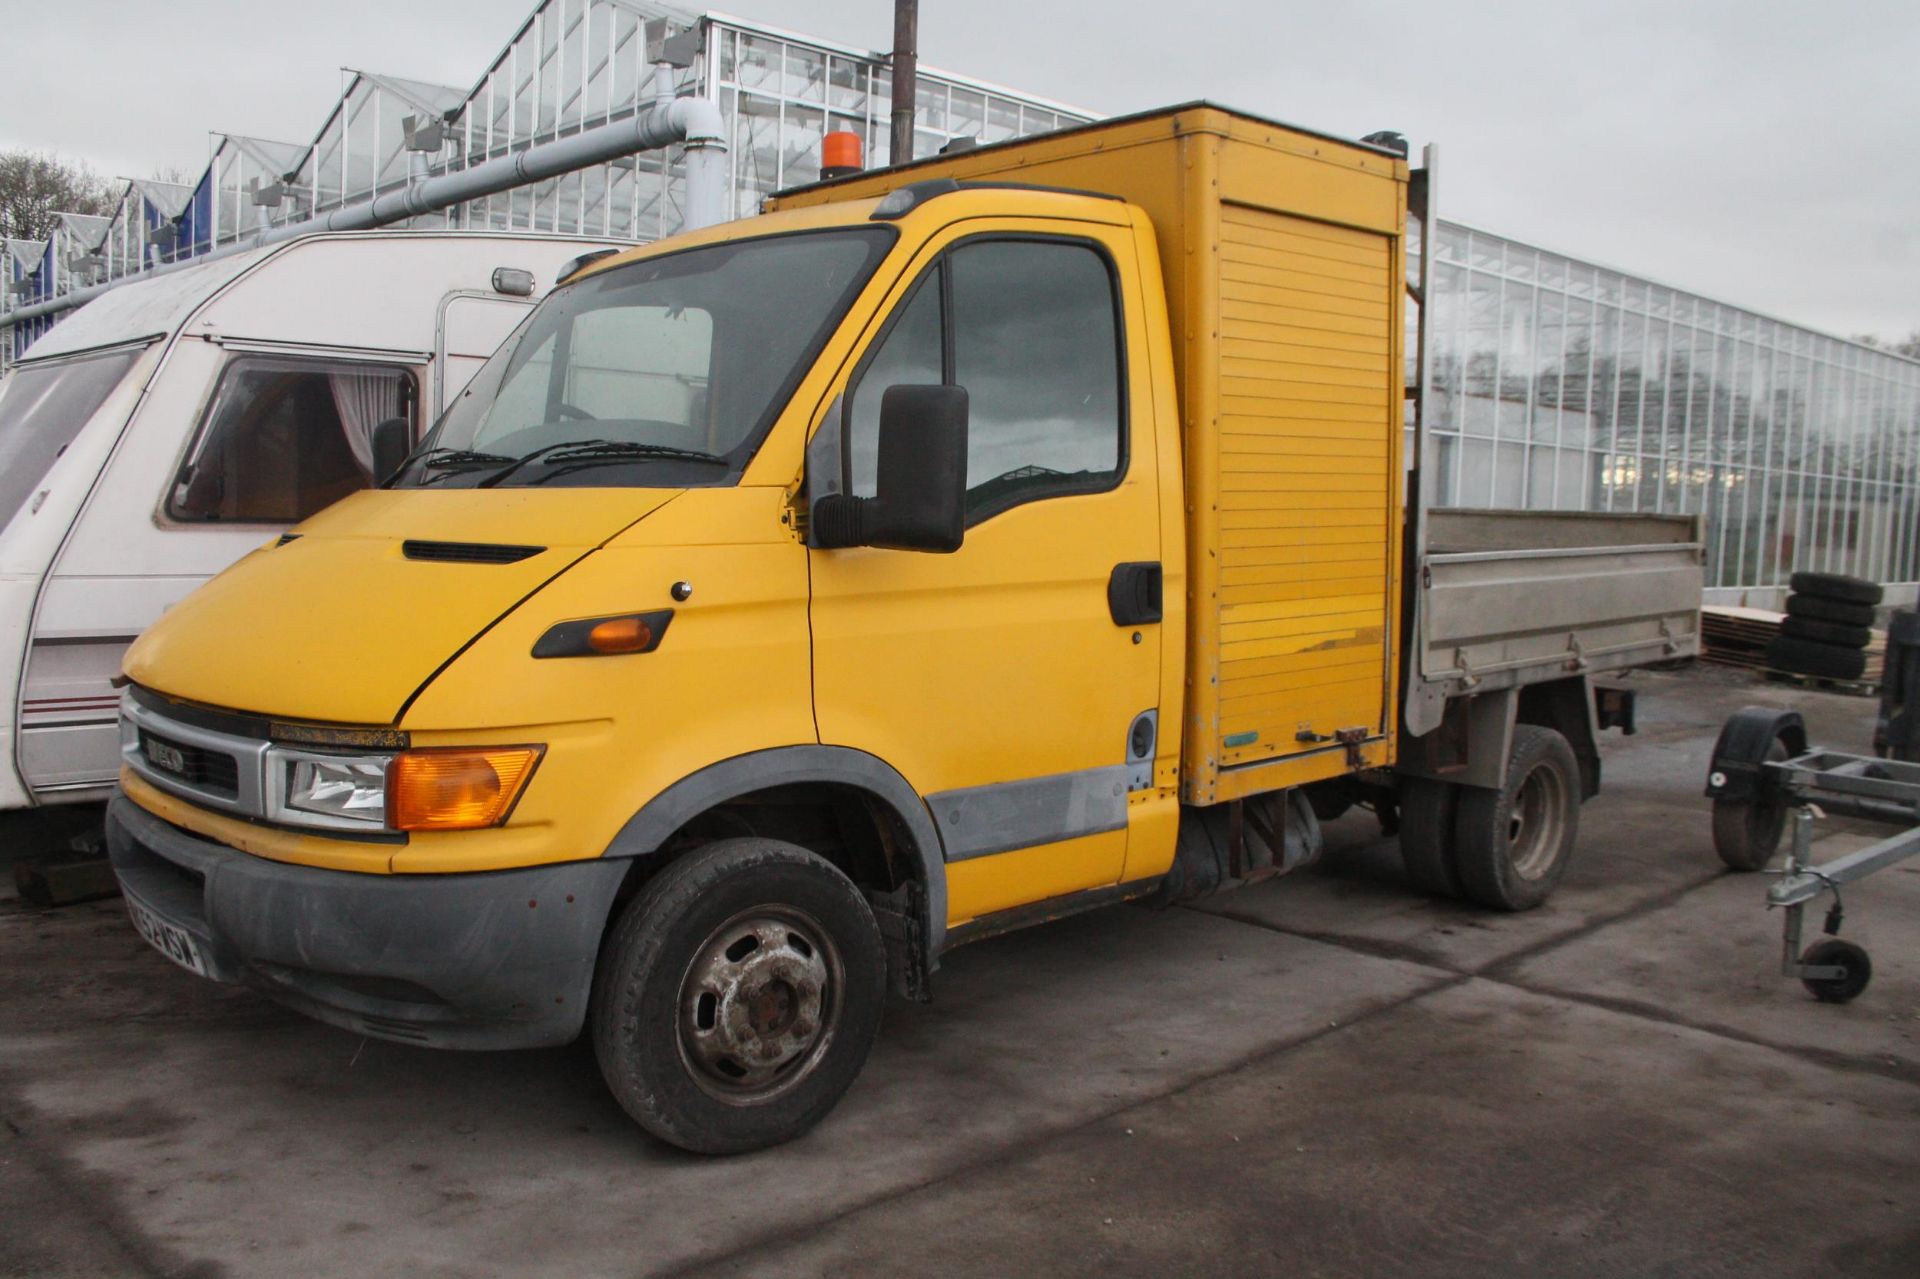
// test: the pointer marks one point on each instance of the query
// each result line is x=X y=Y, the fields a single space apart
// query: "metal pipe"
x=1799 y=853
x=906 y=75
x=693 y=121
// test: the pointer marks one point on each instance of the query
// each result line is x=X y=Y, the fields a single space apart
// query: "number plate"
x=169 y=758
x=175 y=943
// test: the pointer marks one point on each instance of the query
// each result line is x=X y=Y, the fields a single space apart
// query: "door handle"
x=1133 y=593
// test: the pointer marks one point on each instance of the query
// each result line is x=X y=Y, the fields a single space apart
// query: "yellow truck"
x=947 y=549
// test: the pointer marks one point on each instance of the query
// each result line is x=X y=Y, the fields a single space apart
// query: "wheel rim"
x=759 y=1004
x=1536 y=823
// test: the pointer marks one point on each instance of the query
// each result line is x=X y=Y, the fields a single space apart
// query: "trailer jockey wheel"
x=1858 y=970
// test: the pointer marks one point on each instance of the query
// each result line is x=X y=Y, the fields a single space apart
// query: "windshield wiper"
x=515 y=463
x=453 y=461
x=582 y=454
x=459 y=457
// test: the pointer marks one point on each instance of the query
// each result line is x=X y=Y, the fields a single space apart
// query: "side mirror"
x=920 y=478
x=392 y=441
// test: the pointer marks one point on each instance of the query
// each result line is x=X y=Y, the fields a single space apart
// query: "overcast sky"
x=1759 y=151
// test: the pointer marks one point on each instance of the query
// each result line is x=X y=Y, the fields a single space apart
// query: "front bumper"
x=497 y=960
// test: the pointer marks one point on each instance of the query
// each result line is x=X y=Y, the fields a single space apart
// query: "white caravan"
x=170 y=426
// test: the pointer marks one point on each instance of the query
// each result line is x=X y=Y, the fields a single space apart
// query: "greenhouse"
x=1557 y=383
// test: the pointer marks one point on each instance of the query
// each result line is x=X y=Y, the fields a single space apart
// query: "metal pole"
x=906 y=71
x=696 y=122
x=1799 y=853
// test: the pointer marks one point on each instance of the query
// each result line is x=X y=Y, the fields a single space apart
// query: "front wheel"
x=738 y=996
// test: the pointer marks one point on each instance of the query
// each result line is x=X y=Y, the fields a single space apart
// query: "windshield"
x=42 y=408
x=666 y=372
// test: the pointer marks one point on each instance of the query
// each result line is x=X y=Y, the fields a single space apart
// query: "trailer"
x=1764 y=776
x=173 y=425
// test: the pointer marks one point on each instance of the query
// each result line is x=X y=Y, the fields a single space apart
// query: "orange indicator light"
x=621 y=635
x=457 y=789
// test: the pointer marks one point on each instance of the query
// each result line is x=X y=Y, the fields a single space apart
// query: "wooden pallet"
x=1862 y=687
x=1737 y=636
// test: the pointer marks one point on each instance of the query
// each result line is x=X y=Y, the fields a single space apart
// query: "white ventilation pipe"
x=694 y=122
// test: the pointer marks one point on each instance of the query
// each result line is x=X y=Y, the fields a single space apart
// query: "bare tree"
x=1909 y=347
x=36 y=185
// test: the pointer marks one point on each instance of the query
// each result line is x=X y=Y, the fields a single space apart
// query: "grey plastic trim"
x=497 y=971
x=979 y=821
x=686 y=799
x=248 y=755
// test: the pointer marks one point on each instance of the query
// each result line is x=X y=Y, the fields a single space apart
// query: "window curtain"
x=364 y=400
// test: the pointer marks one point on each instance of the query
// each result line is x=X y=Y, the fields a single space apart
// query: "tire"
x=1746 y=835
x=741 y=948
x=1823 y=661
x=1511 y=846
x=1426 y=835
x=1836 y=586
x=1842 y=989
x=1834 y=633
x=1822 y=609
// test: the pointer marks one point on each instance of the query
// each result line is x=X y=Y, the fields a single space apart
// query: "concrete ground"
x=1323 y=1075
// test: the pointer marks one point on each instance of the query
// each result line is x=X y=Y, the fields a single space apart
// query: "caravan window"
x=284 y=438
x=42 y=408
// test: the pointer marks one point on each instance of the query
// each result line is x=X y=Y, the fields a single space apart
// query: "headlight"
x=338 y=792
x=432 y=789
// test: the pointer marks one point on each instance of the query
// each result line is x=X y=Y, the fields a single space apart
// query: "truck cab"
x=788 y=602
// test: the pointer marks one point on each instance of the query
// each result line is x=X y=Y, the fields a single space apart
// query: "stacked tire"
x=1828 y=626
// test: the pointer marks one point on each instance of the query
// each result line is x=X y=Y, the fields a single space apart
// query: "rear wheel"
x=1426 y=835
x=1512 y=845
x=739 y=996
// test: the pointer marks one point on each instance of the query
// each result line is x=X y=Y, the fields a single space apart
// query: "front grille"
x=468 y=552
x=196 y=766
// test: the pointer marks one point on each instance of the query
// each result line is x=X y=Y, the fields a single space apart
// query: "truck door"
x=997 y=679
